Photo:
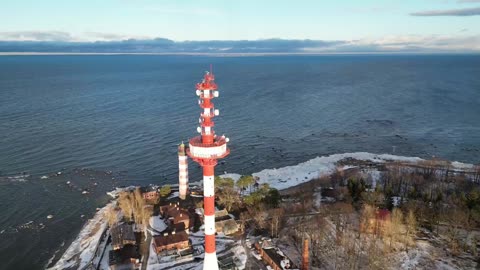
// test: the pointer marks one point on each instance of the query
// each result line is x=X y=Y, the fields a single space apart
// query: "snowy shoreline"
x=290 y=176
x=82 y=249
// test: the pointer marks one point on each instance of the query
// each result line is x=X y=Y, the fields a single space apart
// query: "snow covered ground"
x=104 y=262
x=289 y=176
x=82 y=250
x=234 y=176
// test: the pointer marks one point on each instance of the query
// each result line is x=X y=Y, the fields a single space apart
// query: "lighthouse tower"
x=205 y=150
x=182 y=172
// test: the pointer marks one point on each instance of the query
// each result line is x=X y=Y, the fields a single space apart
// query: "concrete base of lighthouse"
x=210 y=262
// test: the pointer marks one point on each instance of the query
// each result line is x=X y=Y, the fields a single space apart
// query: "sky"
x=363 y=22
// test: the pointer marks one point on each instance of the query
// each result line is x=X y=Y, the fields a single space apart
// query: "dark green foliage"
x=165 y=190
x=221 y=183
x=269 y=196
x=355 y=188
x=245 y=181
x=273 y=198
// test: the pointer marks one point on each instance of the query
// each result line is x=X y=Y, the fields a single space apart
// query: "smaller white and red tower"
x=182 y=172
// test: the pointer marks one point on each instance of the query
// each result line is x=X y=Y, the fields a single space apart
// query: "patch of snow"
x=82 y=250
x=174 y=195
x=240 y=255
x=234 y=176
x=114 y=193
x=289 y=176
x=462 y=166
x=372 y=176
x=396 y=200
x=104 y=262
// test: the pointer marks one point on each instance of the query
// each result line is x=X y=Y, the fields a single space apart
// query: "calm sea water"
x=128 y=113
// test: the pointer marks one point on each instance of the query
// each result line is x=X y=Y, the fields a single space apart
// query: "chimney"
x=305 y=258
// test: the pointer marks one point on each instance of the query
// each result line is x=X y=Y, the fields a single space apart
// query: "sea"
x=73 y=127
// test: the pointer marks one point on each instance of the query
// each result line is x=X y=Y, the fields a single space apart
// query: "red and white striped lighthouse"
x=206 y=149
x=182 y=172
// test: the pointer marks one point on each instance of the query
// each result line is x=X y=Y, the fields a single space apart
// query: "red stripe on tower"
x=206 y=149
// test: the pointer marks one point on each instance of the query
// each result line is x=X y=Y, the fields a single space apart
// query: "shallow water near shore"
x=127 y=113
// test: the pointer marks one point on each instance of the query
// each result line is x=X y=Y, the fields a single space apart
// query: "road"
x=252 y=262
x=146 y=249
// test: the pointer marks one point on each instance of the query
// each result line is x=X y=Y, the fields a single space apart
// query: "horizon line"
x=219 y=54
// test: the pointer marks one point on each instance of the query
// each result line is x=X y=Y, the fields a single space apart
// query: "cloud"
x=404 y=44
x=468 y=1
x=36 y=36
x=97 y=36
x=434 y=43
x=388 y=44
x=59 y=36
x=449 y=12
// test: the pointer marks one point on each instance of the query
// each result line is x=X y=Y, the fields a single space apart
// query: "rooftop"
x=122 y=234
x=123 y=255
x=161 y=240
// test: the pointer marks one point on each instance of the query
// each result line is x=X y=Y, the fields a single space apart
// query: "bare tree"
x=244 y=217
x=367 y=219
x=393 y=228
x=410 y=228
x=429 y=168
x=125 y=203
x=457 y=220
x=476 y=174
x=276 y=217
x=375 y=255
x=228 y=197
x=147 y=212
x=111 y=215
x=259 y=216
x=139 y=204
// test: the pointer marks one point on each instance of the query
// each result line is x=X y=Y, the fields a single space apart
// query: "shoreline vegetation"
x=359 y=211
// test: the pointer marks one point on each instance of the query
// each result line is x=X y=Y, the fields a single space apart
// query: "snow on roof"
x=157 y=223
